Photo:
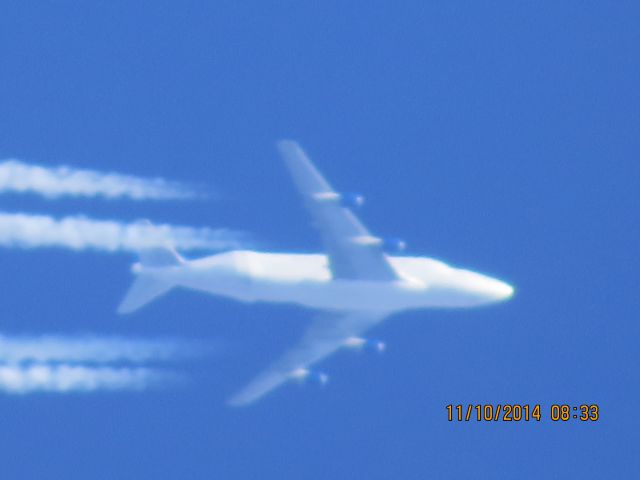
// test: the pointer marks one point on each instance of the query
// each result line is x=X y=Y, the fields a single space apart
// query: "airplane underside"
x=356 y=283
x=265 y=277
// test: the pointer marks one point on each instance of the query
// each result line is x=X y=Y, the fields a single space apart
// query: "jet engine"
x=365 y=345
x=347 y=200
x=351 y=200
x=393 y=245
x=307 y=376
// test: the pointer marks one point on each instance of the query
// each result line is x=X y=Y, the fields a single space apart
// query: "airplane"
x=353 y=286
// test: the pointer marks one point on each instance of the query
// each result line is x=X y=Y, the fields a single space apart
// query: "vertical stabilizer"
x=160 y=257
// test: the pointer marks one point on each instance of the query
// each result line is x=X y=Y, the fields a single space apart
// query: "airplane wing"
x=326 y=334
x=352 y=252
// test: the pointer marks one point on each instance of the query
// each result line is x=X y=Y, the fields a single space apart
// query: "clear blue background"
x=500 y=136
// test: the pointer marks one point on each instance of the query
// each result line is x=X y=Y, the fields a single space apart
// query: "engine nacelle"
x=307 y=376
x=347 y=200
x=351 y=200
x=393 y=245
x=365 y=344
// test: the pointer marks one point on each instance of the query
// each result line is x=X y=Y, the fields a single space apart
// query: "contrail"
x=80 y=233
x=52 y=182
x=90 y=363
x=95 y=350
x=22 y=379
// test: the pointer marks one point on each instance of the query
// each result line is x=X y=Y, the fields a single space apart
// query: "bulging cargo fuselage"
x=305 y=279
x=354 y=285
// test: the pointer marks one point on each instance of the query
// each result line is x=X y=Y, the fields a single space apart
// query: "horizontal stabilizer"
x=148 y=284
x=145 y=288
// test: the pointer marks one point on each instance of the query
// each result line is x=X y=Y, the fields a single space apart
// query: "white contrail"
x=89 y=363
x=22 y=379
x=94 y=350
x=52 y=182
x=79 y=233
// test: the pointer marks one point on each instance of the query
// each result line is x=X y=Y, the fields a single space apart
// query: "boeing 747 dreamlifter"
x=354 y=284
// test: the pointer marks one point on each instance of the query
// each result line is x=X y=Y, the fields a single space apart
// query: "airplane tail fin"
x=160 y=257
x=149 y=285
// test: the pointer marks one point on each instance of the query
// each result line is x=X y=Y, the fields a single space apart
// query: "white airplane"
x=355 y=284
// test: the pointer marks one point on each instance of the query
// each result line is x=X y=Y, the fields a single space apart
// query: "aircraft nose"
x=504 y=290
x=497 y=290
x=482 y=289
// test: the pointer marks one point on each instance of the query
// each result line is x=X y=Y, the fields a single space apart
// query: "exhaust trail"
x=64 y=378
x=96 y=350
x=30 y=364
x=54 y=182
x=20 y=230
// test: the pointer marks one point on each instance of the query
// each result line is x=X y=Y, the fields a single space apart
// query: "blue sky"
x=499 y=136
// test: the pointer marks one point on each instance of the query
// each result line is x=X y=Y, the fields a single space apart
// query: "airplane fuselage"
x=354 y=285
x=305 y=279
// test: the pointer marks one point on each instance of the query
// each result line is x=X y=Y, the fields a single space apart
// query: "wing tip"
x=288 y=147
x=286 y=141
x=240 y=400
